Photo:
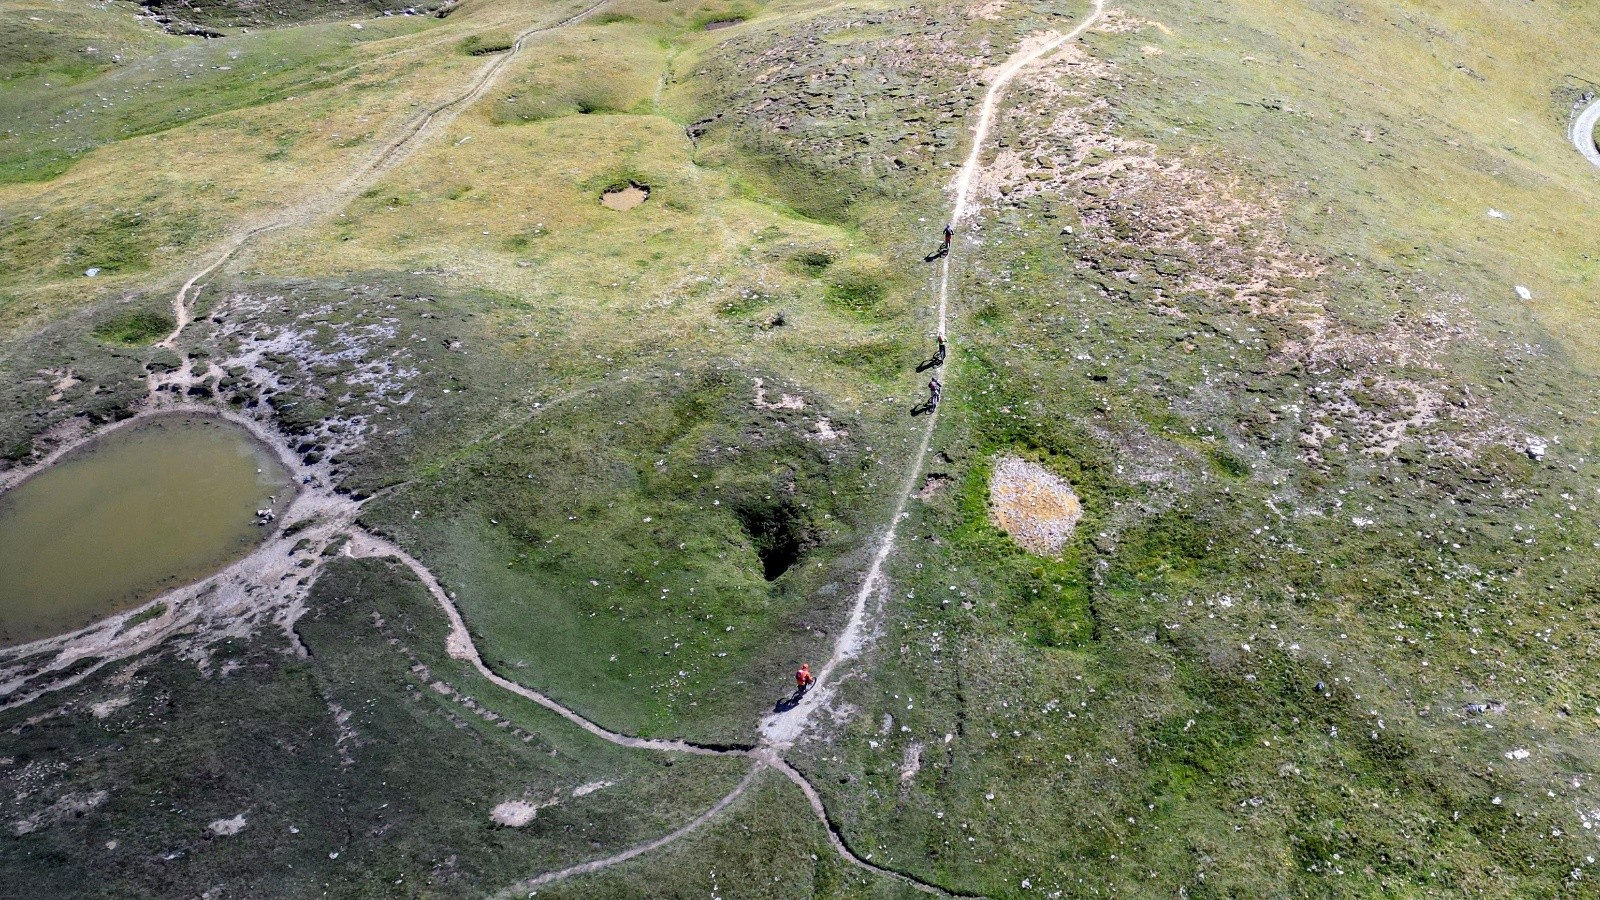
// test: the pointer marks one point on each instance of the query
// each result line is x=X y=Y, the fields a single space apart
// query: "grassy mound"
x=134 y=329
x=685 y=538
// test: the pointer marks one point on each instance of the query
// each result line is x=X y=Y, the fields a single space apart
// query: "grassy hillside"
x=1323 y=629
x=1324 y=632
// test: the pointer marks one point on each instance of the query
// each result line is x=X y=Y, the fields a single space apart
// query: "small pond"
x=161 y=503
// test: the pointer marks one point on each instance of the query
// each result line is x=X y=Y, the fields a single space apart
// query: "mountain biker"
x=803 y=679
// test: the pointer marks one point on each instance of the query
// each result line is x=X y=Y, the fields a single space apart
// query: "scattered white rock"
x=226 y=827
x=107 y=707
x=785 y=401
x=1518 y=753
x=911 y=763
x=1536 y=449
x=825 y=433
x=92 y=271
x=1524 y=293
x=70 y=806
x=585 y=789
x=1496 y=214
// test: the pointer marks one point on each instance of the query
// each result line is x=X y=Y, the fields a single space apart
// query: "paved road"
x=1583 y=132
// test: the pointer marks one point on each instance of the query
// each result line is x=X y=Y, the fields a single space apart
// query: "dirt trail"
x=460 y=646
x=834 y=837
x=781 y=730
x=1582 y=133
x=334 y=513
x=524 y=888
x=412 y=136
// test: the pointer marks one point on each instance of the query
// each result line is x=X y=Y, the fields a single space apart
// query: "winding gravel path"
x=780 y=730
x=523 y=888
x=1583 y=135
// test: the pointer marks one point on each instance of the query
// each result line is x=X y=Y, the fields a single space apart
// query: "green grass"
x=134 y=329
x=1217 y=578
x=768 y=845
x=580 y=75
x=1140 y=716
x=167 y=85
x=52 y=42
x=155 y=611
x=351 y=768
x=668 y=528
x=485 y=44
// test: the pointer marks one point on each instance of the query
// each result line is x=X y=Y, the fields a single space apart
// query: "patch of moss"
x=134 y=329
x=486 y=44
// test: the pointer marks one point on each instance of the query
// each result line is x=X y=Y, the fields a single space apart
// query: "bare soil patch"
x=1032 y=504
x=623 y=199
x=514 y=813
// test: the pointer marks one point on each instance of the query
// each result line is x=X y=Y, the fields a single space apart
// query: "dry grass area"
x=1181 y=234
x=1032 y=504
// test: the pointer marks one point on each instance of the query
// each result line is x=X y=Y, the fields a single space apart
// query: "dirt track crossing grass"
x=460 y=644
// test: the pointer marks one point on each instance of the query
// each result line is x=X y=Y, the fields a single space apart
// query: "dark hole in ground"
x=778 y=531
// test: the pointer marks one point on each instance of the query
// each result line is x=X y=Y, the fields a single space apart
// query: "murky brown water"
x=163 y=503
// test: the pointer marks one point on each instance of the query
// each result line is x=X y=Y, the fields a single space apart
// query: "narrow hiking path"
x=337 y=513
x=1583 y=132
x=779 y=731
x=782 y=729
x=460 y=646
x=413 y=136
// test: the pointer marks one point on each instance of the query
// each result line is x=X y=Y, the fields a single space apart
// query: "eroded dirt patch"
x=514 y=813
x=1032 y=504
x=625 y=198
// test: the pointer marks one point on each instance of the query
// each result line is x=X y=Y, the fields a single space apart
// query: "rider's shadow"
x=789 y=702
